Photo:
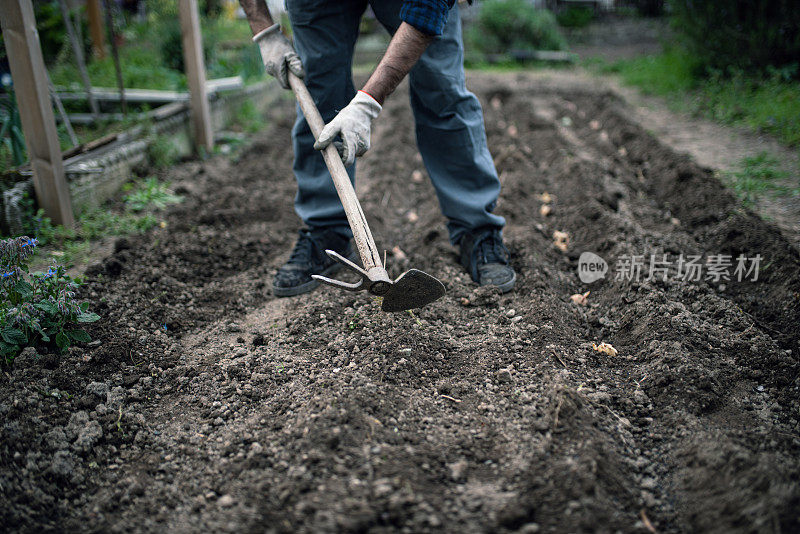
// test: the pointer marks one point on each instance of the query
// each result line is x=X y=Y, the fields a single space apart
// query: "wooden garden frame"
x=36 y=112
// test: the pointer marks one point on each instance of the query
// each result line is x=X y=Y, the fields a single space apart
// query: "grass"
x=145 y=55
x=247 y=118
x=756 y=176
x=161 y=152
x=141 y=69
x=770 y=103
x=137 y=214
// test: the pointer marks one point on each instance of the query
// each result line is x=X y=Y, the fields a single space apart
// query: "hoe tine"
x=358 y=286
x=347 y=263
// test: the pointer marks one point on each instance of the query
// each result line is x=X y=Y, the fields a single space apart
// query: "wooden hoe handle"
x=370 y=257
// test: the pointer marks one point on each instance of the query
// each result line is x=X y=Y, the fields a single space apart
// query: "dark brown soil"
x=211 y=406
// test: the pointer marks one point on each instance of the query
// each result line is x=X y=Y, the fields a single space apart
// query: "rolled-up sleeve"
x=428 y=16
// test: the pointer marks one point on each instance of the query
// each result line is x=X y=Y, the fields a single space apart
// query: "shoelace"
x=491 y=249
x=304 y=249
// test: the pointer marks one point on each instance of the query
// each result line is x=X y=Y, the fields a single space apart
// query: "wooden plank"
x=108 y=94
x=160 y=113
x=38 y=124
x=91 y=145
x=224 y=84
x=196 y=73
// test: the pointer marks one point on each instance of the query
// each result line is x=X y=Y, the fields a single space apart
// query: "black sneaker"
x=485 y=257
x=308 y=257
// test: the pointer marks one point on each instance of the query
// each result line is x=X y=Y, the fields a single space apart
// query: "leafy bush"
x=37 y=307
x=505 y=25
x=744 y=36
x=575 y=17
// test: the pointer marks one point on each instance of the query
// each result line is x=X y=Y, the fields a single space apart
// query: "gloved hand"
x=353 y=124
x=278 y=55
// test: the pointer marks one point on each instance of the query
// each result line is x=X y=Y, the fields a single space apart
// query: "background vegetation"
x=768 y=102
x=727 y=36
x=505 y=26
x=734 y=62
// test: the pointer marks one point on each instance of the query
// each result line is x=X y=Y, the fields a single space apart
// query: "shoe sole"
x=507 y=286
x=312 y=284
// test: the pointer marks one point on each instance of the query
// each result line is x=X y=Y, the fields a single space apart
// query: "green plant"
x=98 y=223
x=575 y=17
x=355 y=322
x=506 y=25
x=151 y=195
x=37 y=307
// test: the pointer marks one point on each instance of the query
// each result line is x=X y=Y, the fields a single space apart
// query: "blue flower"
x=9 y=273
x=30 y=243
x=50 y=272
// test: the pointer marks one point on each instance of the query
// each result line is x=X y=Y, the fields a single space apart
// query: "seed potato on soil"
x=208 y=405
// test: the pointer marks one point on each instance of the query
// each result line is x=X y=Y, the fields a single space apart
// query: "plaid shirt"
x=428 y=16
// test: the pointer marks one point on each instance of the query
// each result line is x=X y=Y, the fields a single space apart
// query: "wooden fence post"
x=196 y=73
x=96 y=28
x=35 y=110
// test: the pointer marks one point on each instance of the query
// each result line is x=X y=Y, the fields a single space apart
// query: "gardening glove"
x=353 y=125
x=278 y=55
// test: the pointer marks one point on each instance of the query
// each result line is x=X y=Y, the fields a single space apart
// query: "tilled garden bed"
x=210 y=405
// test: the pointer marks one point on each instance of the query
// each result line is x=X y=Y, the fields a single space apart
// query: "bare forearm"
x=257 y=14
x=404 y=51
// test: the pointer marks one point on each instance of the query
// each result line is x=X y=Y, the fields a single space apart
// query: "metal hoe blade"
x=413 y=289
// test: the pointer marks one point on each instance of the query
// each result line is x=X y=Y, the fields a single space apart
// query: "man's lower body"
x=449 y=128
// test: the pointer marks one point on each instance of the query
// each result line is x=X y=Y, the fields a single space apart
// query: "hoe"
x=412 y=289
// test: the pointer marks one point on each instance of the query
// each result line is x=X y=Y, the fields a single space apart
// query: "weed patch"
x=756 y=176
